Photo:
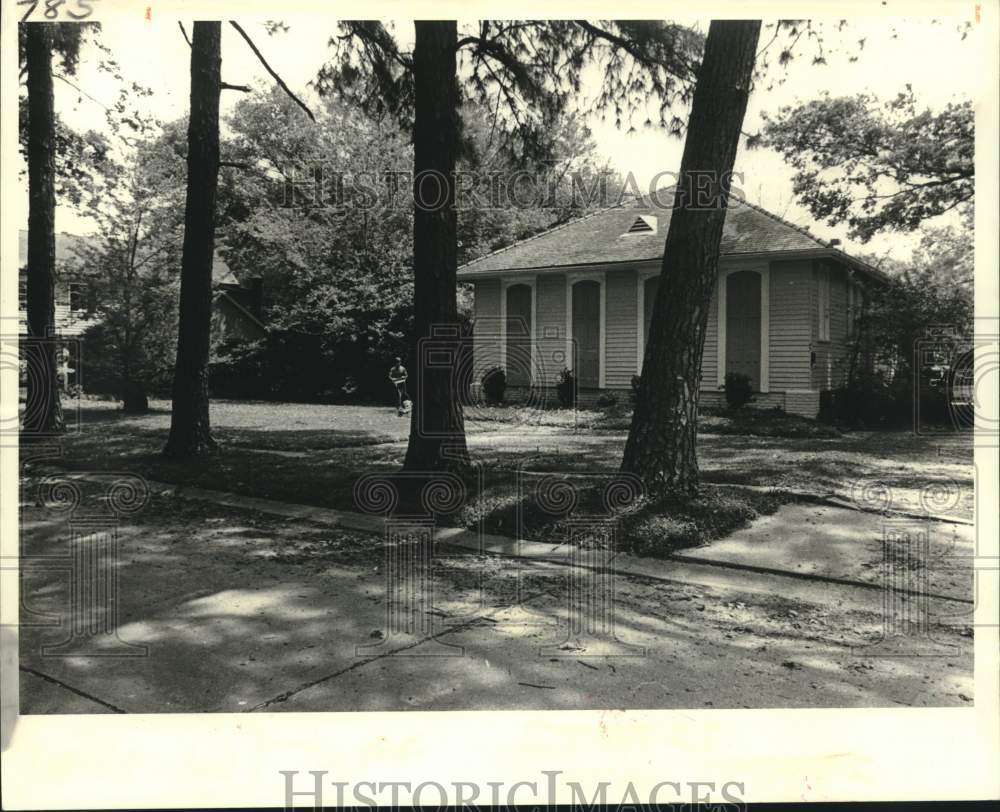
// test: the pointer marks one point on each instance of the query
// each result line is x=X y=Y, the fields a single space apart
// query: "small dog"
x=407 y=407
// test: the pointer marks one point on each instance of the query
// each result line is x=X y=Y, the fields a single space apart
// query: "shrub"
x=607 y=399
x=739 y=390
x=240 y=369
x=102 y=359
x=874 y=402
x=494 y=383
x=298 y=367
x=634 y=394
x=566 y=388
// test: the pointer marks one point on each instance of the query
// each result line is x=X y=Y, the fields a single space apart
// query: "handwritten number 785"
x=82 y=9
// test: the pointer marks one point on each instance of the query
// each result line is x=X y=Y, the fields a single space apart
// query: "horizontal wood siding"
x=486 y=338
x=841 y=347
x=790 y=325
x=550 y=332
x=803 y=402
x=67 y=322
x=622 y=328
x=839 y=344
x=832 y=357
x=793 y=328
x=710 y=359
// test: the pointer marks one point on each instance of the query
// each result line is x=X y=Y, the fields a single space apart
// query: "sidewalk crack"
x=71 y=689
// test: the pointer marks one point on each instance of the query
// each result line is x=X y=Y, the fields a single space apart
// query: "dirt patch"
x=764 y=423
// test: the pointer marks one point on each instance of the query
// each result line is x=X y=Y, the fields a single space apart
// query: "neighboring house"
x=580 y=296
x=236 y=310
x=72 y=293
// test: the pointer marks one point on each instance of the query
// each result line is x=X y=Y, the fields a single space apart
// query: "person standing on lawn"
x=398 y=376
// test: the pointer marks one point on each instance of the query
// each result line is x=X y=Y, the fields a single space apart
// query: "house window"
x=823 y=304
x=22 y=293
x=77 y=297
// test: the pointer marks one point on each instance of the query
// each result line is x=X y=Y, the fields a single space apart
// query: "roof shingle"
x=600 y=237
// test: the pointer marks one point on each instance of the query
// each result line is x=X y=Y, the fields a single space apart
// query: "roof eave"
x=466 y=274
x=860 y=265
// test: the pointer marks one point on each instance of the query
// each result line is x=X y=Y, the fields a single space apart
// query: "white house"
x=580 y=296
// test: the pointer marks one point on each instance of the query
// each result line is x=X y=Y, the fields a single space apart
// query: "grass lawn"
x=764 y=423
x=618 y=418
x=315 y=453
x=244 y=610
x=260 y=424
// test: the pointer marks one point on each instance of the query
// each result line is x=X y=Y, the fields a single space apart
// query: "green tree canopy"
x=877 y=166
x=323 y=214
x=132 y=267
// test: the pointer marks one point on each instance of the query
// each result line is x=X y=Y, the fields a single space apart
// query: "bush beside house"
x=739 y=390
x=494 y=385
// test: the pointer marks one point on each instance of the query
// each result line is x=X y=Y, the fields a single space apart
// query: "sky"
x=940 y=66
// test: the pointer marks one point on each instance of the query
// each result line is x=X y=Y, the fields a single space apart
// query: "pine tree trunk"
x=661 y=442
x=189 y=425
x=43 y=411
x=437 y=427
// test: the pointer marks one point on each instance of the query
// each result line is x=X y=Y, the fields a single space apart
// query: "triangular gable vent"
x=643 y=224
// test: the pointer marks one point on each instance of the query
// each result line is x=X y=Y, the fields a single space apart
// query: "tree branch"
x=241 y=88
x=636 y=52
x=777 y=30
x=77 y=88
x=185 y=33
x=270 y=70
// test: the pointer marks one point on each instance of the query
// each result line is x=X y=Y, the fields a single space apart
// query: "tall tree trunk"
x=189 y=425
x=437 y=427
x=43 y=411
x=661 y=442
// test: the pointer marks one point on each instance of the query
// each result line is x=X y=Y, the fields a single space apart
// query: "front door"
x=587 y=333
x=743 y=325
x=519 y=335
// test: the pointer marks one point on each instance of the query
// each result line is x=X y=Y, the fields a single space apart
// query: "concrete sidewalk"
x=819 y=541
x=245 y=604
